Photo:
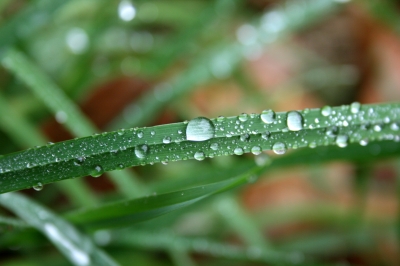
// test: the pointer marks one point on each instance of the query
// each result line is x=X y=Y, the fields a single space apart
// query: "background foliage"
x=76 y=68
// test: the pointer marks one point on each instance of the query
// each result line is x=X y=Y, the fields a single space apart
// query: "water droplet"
x=38 y=186
x=377 y=128
x=394 y=127
x=364 y=142
x=312 y=145
x=243 y=117
x=200 y=129
x=262 y=159
x=121 y=132
x=256 y=150
x=126 y=11
x=97 y=171
x=140 y=134
x=199 y=156
x=152 y=133
x=355 y=107
x=141 y=151
x=279 y=148
x=238 y=151
x=265 y=135
x=167 y=140
x=79 y=161
x=326 y=110
x=268 y=116
x=342 y=141
x=245 y=137
x=332 y=132
x=180 y=131
x=294 y=121
x=220 y=118
x=214 y=146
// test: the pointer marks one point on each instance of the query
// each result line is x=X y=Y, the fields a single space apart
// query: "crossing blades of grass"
x=198 y=139
x=78 y=248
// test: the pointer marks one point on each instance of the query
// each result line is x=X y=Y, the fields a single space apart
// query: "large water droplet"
x=355 y=107
x=167 y=140
x=199 y=156
x=140 y=134
x=268 y=116
x=294 y=121
x=279 y=148
x=342 y=141
x=38 y=186
x=200 y=129
x=326 y=110
x=141 y=151
x=97 y=171
x=238 y=151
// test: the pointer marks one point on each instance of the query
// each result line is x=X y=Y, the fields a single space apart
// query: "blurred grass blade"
x=26 y=135
x=220 y=61
x=78 y=248
x=62 y=106
x=126 y=213
x=23 y=24
x=96 y=154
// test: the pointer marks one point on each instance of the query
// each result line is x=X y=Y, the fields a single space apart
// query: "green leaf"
x=125 y=213
x=232 y=135
x=78 y=248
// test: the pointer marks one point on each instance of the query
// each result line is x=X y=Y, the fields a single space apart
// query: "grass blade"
x=133 y=211
x=96 y=154
x=78 y=248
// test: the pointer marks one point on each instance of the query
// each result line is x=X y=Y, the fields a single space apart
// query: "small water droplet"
x=200 y=129
x=364 y=142
x=265 y=135
x=355 y=107
x=245 y=137
x=97 y=171
x=294 y=121
x=394 y=127
x=152 y=133
x=268 y=116
x=279 y=148
x=199 y=156
x=342 y=141
x=256 y=150
x=312 y=145
x=79 y=161
x=180 y=131
x=121 y=132
x=326 y=110
x=220 y=118
x=214 y=146
x=238 y=151
x=140 y=134
x=243 y=117
x=167 y=140
x=377 y=128
x=141 y=151
x=38 y=186
x=332 y=132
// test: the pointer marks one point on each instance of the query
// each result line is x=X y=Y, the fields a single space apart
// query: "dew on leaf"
x=167 y=140
x=364 y=142
x=199 y=156
x=214 y=146
x=326 y=110
x=238 y=151
x=200 y=129
x=243 y=117
x=294 y=121
x=141 y=151
x=245 y=137
x=355 y=107
x=38 y=186
x=342 y=141
x=394 y=127
x=279 y=148
x=268 y=116
x=256 y=150
x=97 y=171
